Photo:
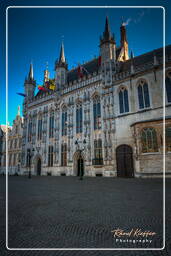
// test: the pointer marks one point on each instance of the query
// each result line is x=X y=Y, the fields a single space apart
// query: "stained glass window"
x=149 y=140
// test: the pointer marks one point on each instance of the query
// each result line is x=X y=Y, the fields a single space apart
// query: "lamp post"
x=81 y=165
x=30 y=154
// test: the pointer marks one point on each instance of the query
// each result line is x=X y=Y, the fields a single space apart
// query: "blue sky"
x=35 y=35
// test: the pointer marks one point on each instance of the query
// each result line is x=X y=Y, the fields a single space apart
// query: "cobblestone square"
x=65 y=212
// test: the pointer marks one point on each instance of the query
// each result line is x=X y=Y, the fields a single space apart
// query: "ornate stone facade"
x=14 y=147
x=94 y=118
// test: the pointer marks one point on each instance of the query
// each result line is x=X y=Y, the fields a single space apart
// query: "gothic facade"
x=105 y=118
x=14 y=134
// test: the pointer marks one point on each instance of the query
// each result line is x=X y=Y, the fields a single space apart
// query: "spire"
x=46 y=73
x=61 y=62
x=132 y=63
x=107 y=36
x=132 y=55
x=30 y=76
x=18 y=112
x=62 y=55
x=107 y=29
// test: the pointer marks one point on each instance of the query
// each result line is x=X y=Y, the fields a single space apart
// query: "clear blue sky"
x=35 y=35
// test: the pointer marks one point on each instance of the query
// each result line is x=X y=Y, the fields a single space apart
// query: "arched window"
x=64 y=154
x=149 y=140
x=168 y=138
x=51 y=125
x=123 y=100
x=64 y=121
x=50 y=156
x=168 y=86
x=39 y=133
x=79 y=119
x=97 y=113
x=98 y=155
x=143 y=95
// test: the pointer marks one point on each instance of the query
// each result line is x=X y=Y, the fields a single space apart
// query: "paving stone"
x=64 y=212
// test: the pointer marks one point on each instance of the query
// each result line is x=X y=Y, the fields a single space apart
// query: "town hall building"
x=104 y=118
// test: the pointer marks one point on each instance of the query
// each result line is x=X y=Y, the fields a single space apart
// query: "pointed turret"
x=61 y=68
x=30 y=84
x=46 y=74
x=107 y=36
x=62 y=55
x=30 y=75
x=107 y=44
x=132 y=62
x=61 y=62
x=132 y=55
x=18 y=111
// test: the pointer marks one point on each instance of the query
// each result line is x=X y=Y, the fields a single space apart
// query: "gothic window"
x=39 y=133
x=64 y=154
x=51 y=126
x=149 y=140
x=168 y=86
x=50 y=156
x=29 y=131
x=168 y=138
x=98 y=155
x=143 y=95
x=123 y=100
x=97 y=113
x=79 y=119
x=64 y=121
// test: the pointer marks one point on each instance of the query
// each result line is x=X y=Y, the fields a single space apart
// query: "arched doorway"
x=39 y=167
x=80 y=166
x=78 y=163
x=124 y=161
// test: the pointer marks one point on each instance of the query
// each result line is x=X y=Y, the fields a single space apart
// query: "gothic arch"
x=141 y=81
x=36 y=160
x=76 y=156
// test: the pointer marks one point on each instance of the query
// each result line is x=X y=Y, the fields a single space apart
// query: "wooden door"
x=124 y=160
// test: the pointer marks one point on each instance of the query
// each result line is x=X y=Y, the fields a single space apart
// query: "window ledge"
x=151 y=153
x=124 y=114
x=144 y=109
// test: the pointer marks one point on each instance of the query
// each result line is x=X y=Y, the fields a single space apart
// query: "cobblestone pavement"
x=54 y=212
